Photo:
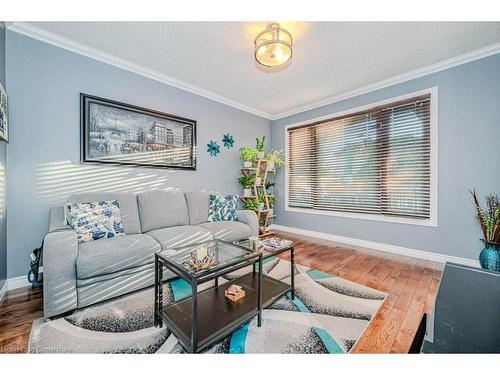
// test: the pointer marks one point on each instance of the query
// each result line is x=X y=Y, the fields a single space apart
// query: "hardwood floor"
x=19 y=308
x=411 y=285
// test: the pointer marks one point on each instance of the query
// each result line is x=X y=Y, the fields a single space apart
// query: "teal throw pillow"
x=222 y=208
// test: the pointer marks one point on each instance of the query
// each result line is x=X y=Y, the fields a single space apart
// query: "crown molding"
x=68 y=44
x=82 y=49
x=417 y=73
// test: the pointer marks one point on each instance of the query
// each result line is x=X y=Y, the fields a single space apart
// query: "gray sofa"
x=78 y=275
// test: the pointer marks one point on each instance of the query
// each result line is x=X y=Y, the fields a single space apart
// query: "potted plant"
x=275 y=159
x=258 y=179
x=262 y=202
x=247 y=183
x=270 y=199
x=251 y=204
x=248 y=155
x=489 y=221
x=260 y=147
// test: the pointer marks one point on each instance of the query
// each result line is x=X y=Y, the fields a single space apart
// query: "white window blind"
x=371 y=162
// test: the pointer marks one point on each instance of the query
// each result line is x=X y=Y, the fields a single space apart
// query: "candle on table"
x=201 y=252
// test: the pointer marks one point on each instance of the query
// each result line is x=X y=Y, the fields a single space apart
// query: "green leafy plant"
x=489 y=218
x=269 y=184
x=271 y=199
x=248 y=154
x=260 y=144
x=277 y=157
x=262 y=201
x=262 y=198
x=246 y=181
x=252 y=204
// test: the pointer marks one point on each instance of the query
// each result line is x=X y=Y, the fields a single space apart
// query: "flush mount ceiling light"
x=273 y=47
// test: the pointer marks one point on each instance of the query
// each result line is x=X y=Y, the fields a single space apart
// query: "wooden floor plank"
x=414 y=314
x=411 y=285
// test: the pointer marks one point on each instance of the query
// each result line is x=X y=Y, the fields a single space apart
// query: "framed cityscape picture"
x=4 y=115
x=119 y=133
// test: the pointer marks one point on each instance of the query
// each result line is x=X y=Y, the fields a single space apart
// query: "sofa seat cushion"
x=227 y=230
x=180 y=236
x=105 y=256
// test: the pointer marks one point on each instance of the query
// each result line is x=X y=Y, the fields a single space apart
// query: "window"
x=375 y=163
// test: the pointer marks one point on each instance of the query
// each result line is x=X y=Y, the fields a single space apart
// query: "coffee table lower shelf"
x=217 y=316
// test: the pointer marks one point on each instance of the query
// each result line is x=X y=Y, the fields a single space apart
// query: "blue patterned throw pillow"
x=95 y=220
x=222 y=208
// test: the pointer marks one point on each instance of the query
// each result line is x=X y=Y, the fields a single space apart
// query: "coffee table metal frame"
x=195 y=280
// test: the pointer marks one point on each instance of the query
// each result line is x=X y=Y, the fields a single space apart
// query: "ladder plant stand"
x=261 y=172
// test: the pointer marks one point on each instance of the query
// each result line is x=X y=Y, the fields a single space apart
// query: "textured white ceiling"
x=330 y=58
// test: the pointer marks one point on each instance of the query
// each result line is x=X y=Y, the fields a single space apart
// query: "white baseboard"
x=436 y=257
x=17 y=282
x=13 y=283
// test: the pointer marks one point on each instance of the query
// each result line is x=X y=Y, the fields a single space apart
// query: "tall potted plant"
x=489 y=221
x=248 y=155
x=260 y=147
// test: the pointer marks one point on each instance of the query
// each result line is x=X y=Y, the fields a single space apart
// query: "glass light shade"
x=273 y=46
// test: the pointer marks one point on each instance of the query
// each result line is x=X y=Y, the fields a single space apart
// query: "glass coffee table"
x=207 y=316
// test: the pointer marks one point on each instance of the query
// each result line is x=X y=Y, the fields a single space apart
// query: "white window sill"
x=432 y=222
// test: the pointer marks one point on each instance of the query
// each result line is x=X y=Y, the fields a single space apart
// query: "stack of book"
x=275 y=243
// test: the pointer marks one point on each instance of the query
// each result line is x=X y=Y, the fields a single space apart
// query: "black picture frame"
x=129 y=140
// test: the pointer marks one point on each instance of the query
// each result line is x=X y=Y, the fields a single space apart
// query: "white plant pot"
x=271 y=212
x=260 y=154
x=262 y=206
x=258 y=180
x=270 y=165
x=247 y=164
x=247 y=192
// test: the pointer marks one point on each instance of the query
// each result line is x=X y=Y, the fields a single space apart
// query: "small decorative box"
x=234 y=293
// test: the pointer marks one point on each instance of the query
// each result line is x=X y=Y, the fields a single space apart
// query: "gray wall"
x=469 y=156
x=3 y=168
x=44 y=86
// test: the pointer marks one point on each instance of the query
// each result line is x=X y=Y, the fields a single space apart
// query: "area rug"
x=328 y=315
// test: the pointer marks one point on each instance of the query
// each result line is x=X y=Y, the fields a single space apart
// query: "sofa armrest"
x=57 y=219
x=249 y=218
x=60 y=249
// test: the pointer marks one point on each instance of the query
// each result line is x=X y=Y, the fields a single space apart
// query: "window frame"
x=432 y=220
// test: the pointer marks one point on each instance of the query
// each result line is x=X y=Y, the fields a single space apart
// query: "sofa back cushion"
x=197 y=204
x=162 y=209
x=128 y=207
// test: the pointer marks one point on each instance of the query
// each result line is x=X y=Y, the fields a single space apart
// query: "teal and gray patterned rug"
x=329 y=315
